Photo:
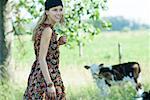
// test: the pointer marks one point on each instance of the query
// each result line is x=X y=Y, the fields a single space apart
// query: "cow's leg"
x=104 y=88
x=137 y=79
x=107 y=83
x=139 y=87
x=138 y=84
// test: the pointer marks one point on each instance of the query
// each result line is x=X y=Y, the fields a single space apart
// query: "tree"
x=6 y=38
x=78 y=16
x=78 y=26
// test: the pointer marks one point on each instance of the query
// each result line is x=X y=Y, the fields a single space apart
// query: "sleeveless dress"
x=36 y=86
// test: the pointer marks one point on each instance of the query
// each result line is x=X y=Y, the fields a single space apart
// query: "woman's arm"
x=45 y=40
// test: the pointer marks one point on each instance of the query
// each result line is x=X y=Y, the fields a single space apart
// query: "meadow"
x=135 y=46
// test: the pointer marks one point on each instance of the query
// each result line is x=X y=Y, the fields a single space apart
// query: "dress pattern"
x=36 y=86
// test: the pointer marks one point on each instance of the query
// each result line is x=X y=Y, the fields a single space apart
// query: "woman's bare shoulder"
x=47 y=32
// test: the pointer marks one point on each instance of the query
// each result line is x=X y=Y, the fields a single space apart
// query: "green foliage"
x=91 y=92
x=5 y=92
x=23 y=45
x=106 y=25
x=77 y=13
x=10 y=91
x=32 y=9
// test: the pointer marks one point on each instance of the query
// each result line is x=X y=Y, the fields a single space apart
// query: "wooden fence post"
x=119 y=53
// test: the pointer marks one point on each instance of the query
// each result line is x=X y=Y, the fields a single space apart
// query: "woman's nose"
x=59 y=12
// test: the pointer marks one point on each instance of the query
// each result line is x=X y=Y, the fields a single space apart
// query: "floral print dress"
x=36 y=86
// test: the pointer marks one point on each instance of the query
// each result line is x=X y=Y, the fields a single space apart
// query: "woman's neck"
x=49 y=21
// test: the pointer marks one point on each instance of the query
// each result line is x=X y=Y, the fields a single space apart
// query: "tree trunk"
x=80 y=45
x=9 y=34
x=3 y=48
x=6 y=36
x=119 y=53
x=80 y=49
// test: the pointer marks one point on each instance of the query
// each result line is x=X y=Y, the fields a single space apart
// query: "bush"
x=10 y=91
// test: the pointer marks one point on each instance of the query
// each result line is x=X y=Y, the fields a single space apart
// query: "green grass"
x=135 y=46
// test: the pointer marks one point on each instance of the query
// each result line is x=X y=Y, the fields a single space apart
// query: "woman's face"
x=55 y=14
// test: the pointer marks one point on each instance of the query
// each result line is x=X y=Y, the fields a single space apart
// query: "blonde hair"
x=40 y=21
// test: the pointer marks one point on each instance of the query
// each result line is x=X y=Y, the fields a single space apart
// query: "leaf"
x=77 y=14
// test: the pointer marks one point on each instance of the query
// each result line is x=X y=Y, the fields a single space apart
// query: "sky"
x=137 y=10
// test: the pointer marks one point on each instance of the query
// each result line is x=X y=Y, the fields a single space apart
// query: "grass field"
x=135 y=46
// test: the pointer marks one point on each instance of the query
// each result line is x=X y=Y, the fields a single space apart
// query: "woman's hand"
x=62 y=40
x=51 y=93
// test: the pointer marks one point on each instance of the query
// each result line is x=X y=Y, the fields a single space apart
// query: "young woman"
x=45 y=81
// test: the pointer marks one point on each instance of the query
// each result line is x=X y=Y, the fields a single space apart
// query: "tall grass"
x=135 y=46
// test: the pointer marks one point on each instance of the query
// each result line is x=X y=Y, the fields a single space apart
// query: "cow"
x=106 y=76
x=145 y=96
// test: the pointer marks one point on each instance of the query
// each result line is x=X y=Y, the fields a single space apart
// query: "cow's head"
x=95 y=69
x=99 y=71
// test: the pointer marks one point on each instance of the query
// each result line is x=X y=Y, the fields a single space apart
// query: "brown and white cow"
x=106 y=76
x=145 y=96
